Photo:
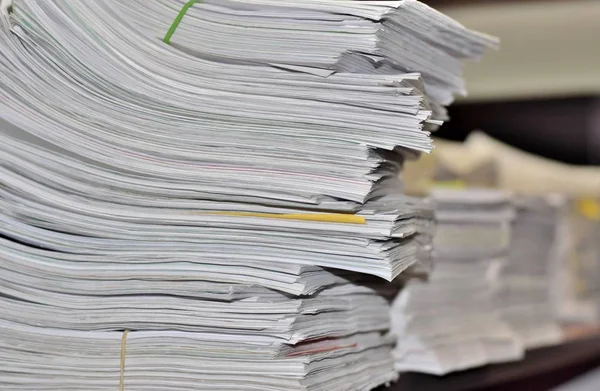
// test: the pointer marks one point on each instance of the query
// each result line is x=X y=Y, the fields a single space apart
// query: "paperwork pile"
x=525 y=291
x=450 y=323
x=209 y=214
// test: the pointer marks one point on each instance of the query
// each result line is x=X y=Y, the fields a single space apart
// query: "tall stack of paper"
x=450 y=322
x=525 y=292
x=206 y=214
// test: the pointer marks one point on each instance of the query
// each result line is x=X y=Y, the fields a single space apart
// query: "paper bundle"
x=207 y=214
x=320 y=37
x=450 y=322
x=525 y=291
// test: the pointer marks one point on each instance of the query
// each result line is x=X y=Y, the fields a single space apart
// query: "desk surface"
x=541 y=369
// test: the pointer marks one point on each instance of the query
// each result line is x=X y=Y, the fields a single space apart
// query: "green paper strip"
x=177 y=20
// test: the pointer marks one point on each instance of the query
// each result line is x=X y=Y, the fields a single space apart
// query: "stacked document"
x=450 y=323
x=525 y=291
x=321 y=37
x=209 y=209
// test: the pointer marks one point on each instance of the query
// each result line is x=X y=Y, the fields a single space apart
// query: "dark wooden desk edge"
x=540 y=369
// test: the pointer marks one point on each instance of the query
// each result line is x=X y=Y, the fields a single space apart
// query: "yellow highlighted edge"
x=319 y=217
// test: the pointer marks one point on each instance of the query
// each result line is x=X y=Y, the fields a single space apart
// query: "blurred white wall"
x=548 y=48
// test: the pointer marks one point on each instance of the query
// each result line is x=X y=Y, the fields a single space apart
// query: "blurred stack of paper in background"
x=210 y=214
x=525 y=288
x=450 y=323
x=484 y=161
x=576 y=282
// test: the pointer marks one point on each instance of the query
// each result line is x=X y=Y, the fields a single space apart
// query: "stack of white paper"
x=74 y=264
x=206 y=214
x=525 y=291
x=315 y=36
x=450 y=322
